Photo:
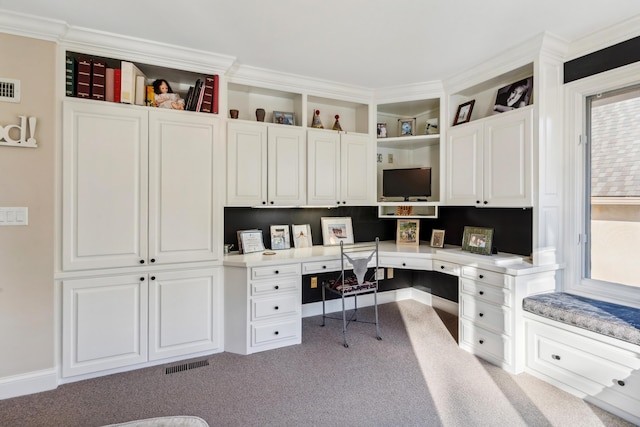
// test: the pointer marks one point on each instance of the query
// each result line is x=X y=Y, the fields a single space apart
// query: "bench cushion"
x=614 y=320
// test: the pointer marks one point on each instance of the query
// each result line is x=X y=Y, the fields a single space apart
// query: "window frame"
x=576 y=94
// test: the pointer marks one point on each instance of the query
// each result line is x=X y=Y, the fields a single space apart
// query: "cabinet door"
x=183 y=186
x=507 y=159
x=104 y=323
x=246 y=164
x=357 y=170
x=185 y=313
x=323 y=185
x=104 y=180
x=464 y=165
x=287 y=157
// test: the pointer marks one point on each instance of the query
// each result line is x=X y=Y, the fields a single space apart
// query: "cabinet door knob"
x=142 y=279
x=141 y=261
x=153 y=277
x=271 y=202
x=264 y=203
x=344 y=202
x=337 y=202
x=481 y=292
x=276 y=287
x=620 y=383
x=478 y=201
x=324 y=266
x=152 y=260
x=480 y=314
x=485 y=202
x=404 y=264
x=442 y=267
x=481 y=341
x=555 y=357
x=481 y=276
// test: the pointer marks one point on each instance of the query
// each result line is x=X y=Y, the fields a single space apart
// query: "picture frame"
x=382 y=130
x=515 y=95
x=284 y=118
x=251 y=241
x=280 y=237
x=408 y=232
x=437 y=238
x=477 y=240
x=463 y=115
x=407 y=127
x=301 y=234
x=336 y=230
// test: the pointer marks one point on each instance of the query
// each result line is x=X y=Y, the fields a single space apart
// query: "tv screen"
x=406 y=183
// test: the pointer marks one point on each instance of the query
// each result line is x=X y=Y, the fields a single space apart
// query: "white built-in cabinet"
x=140 y=192
x=121 y=320
x=340 y=168
x=266 y=165
x=139 y=186
x=489 y=161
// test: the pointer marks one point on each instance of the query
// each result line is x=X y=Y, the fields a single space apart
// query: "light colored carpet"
x=415 y=376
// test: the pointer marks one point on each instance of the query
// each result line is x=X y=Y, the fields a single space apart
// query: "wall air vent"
x=9 y=90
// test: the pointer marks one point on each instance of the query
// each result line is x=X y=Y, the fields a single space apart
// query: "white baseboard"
x=29 y=383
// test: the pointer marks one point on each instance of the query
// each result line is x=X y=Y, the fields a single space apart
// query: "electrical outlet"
x=389 y=273
x=314 y=282
x=390 y=158
x=380 y=274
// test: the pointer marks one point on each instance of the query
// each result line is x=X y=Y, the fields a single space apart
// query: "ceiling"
x=366 y=43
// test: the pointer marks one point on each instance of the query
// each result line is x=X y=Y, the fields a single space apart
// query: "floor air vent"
x=186 y=366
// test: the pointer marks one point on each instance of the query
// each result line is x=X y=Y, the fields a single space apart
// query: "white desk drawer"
x=485 y=292
x=267 y=333
x=275 y=271
x=446 y=267
x=280 y=305
x=486 y=315
x=321 y=266
x=481 y=341
x=277 y=286
x=404 y=262
x=485 y=276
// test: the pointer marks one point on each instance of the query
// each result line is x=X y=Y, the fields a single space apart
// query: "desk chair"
x=353 y=283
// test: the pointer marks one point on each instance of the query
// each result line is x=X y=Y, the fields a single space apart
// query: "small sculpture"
x=336 y=125
x=260 y=113
x=316 y=123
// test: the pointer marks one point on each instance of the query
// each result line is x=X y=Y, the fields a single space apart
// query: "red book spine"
x=117 y=84
x=83 y=84
x=98 y=73
x=216 y=93
x=207 y=97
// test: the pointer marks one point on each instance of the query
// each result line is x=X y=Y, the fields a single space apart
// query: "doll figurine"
x=165 y=97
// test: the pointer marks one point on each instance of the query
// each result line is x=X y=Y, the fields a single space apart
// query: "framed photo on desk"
x=408 y=232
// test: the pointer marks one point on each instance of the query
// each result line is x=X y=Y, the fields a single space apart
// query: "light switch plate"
x=14 y=216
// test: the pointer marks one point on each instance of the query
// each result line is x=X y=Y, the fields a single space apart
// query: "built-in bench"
x=614 y=320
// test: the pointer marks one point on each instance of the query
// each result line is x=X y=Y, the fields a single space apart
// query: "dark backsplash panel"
x=512 y=226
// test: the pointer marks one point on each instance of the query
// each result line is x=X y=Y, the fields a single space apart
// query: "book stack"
x=70 y=75
x=203 y=95
x=133 y=84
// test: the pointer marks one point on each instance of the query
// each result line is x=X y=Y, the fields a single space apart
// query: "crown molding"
x=287 y=82
x=409 y=92
x=604 y=38
x=20 y=24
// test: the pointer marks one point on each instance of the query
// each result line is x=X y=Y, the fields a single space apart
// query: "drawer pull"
x=555 y=357
x=142 y=279
x=481 y=276
x=276 y=287
x=276 y=333
x=276 y=307
x=277 y=272
x=152 y=260
x=481 y=292
x=620 y=383
x=153 y=277
x=480 y=314
x=481 y=341
x=404 y=264
x=141 y=261
x=442 y=267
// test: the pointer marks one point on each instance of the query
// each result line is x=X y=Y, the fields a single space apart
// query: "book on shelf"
x=83 y=82
x=216 y=93
x=141 y=90
x=117 y=84
x=128 y=79
x=200 y=96
x=98 y=69
x=70 y=75
x=207 y=98
x=192 y=102
x=109 y=84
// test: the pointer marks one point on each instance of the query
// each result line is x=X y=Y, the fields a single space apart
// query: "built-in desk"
x=263 y=308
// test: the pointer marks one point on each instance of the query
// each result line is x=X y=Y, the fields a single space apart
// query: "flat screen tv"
x=406 y=183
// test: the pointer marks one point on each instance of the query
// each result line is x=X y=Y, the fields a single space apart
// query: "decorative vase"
x=316 y=123
x=336 y=125
x=260 y=114
x=234 y=114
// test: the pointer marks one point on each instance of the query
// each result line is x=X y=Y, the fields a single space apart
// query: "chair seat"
x=351 y=285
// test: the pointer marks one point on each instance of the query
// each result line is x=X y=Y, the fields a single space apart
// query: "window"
x=612 y=185
x=601 y=233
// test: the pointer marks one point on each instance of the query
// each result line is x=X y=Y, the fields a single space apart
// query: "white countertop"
x=504 y=263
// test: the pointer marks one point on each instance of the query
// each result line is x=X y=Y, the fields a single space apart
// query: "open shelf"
x=389 y=210
x=246 y=99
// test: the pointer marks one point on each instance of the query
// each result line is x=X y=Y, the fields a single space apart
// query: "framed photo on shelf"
x=284 y=118
x=280 y=237
x=437 y=238
x=515 y=95
x=464 y=112
x=406 y=127
x=302 y=236
x=336 y=230
x=382 y=130
x=408 y=232
x=477 y=240
x=251 y=241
